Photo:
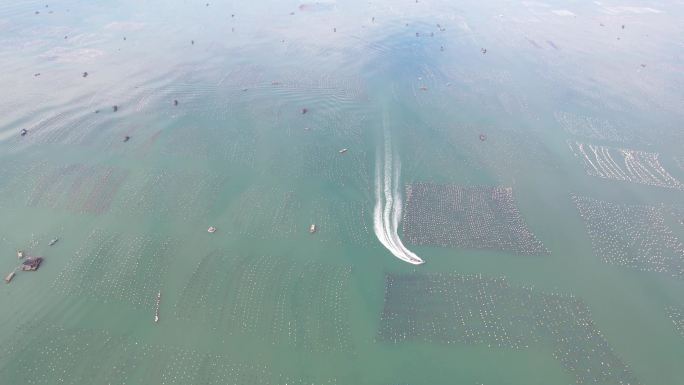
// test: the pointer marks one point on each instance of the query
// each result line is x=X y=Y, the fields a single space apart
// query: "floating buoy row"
x=156 y=307
x=624 y=165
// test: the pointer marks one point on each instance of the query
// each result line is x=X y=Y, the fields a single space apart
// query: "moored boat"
x=31 y=264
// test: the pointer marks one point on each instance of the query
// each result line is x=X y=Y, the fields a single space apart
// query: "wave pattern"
x=387 y=212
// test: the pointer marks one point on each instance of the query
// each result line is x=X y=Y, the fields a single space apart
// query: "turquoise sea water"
x=536 y=148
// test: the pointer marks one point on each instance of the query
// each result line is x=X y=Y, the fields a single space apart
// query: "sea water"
x=529 y=153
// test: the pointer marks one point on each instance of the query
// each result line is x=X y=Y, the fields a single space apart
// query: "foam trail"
x=387 y=211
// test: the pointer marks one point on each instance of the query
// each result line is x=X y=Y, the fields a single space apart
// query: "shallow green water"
x=575 y=107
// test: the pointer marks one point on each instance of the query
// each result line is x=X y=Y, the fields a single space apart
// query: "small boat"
x=52 y=242
x=24 y=132
x=20 y=254
x=312 y=228
x=342 y=151
x=10 y=277
x=31 y=264
x=211 y=229
x=126 y=138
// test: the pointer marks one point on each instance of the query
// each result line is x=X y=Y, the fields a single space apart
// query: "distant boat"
x=312 y=228
x=211 y=229
x=342 y=151
x=20 y=254
x=52 y=242
x=9 y=277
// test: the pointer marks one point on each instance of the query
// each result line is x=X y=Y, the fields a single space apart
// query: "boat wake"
x=387 y=212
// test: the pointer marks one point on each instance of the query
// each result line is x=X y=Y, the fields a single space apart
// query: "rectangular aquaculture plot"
x=43 y=354
x=304 y=305
x=577 y=343
x=624 y=165
x=634 y=236
x=162 y=193
x=75 y=187
x=467 y=217
x=112 y=267
x=457 y=309
x=470 y=309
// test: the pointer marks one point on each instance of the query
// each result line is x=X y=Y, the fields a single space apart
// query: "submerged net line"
x=450 y=308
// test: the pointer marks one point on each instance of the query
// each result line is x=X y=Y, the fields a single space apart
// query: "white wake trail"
x=387 y=211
